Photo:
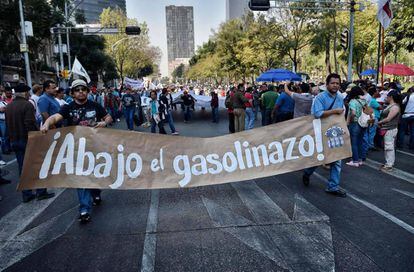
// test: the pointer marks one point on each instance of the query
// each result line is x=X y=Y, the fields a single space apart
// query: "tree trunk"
x=295 y=59
x=335 y=43
x=328 y=56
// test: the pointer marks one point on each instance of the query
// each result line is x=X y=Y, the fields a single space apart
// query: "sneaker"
x=386 y=168
x=2 y=163
x=353 y=164
x=305 y=180
x=45 y=196
x=175 y=133
x=28 y=199
x=97 y=201
x=4 y=181
x=118 y=120
x=84 y=218
x=339 y=192
x=360 y=163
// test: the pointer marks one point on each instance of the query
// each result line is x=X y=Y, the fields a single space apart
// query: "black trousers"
x=231 y=122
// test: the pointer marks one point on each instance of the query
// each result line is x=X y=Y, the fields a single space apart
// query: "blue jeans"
x=334 y=175
x=19 y=148
x=171 y=121
x=357 y=135
x=249 y=119
x=85 y=199
x=268 y=117
x=263 y=113
x=187 y=113
x=160 y=127
x=5 y=144
x=129 y=117
x=256 y=110
x=214 y=112
x=406 y=122
x=368 y=140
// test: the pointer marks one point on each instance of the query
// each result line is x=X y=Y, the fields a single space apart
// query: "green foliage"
x=179 y=71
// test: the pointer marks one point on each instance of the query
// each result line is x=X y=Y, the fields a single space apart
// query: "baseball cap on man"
x=21 y=88
x=77 y=83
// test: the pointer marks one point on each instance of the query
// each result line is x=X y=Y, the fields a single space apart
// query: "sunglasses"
x=78 y=89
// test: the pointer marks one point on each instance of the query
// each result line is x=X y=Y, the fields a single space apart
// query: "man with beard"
x=326 y=104
x=82 y=112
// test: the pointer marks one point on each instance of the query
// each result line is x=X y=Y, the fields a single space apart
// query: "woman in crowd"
x=389 y=128
x=356 y=104
x=158 y=114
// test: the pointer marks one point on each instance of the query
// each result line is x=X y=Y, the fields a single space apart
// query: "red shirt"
x=249 y=96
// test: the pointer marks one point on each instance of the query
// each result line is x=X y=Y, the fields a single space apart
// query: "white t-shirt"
x=409 y=110
x=3 y=104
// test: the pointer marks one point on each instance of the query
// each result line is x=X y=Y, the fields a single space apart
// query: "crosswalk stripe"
x=20 y=217
x=405 y=153
x=150 y=242
x=376 y=209
x=404 y=193
x=395 y=172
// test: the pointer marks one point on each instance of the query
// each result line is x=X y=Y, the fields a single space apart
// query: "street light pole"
x=351 y=40
x=25 y=53
x=67 y=35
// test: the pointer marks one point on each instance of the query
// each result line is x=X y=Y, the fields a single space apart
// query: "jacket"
x=20 y=119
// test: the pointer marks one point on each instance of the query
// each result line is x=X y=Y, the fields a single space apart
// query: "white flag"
x=78 y=69
x=384 y=14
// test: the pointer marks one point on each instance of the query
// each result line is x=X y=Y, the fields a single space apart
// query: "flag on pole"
x=384 y=13
x=78 y=69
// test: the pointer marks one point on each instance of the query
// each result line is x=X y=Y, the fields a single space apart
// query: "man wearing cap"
x=82 y=112
x=20 y=119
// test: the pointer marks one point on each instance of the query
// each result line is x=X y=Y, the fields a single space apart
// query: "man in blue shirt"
x=284 y=108
x=326 y=104
x=47 y=104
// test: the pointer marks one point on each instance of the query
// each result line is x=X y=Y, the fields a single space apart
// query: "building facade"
x=93 y=8
x=236 y=8
x=180 y=35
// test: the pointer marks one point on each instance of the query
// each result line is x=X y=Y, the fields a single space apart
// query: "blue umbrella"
x=369 y=72
x=278 y=75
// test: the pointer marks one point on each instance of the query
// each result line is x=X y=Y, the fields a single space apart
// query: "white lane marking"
x=32 y=240
x=150 y=242
x=395 y=172
x=404 y=193
x=376 y=209
x=261 y=206
x=283 y=240
x=20 y=217
x=405 y=153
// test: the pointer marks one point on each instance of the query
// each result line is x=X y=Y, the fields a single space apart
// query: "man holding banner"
x=326 y=104
x=82 y=112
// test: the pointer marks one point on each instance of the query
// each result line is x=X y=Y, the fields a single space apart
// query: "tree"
x=179 y=71
x=132 y=55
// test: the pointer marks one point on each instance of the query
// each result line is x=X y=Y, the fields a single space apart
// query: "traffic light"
x=344 y=39
x=259 y=5
x=132 y=30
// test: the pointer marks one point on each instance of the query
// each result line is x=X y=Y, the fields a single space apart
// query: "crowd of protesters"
x=377 y=116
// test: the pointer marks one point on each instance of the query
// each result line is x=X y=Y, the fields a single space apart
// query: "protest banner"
x=84 y=157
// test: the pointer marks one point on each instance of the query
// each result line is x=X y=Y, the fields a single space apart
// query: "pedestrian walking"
x=303 y=100
x=230 y=111
x=188 y=103
x=249 y=120
x=158 y=114
x=48 y=105
x=284 y=107
x=20 y=119
x=165 y=101
x=268 y=102
x=326 y=104
x=214 y=107
x=128 y=104
x=407 y=120
x=82 y=112
x=238 y=102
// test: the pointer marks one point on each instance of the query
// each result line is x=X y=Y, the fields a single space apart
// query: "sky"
x=208 y=14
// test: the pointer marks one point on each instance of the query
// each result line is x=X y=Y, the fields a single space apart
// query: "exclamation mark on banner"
x=317 y=127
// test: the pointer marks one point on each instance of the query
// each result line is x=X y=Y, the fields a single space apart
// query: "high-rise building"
x=180 y=35
x=236 y=8
x=93 y=8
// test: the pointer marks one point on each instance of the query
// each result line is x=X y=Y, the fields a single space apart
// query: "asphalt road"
x=269 y=224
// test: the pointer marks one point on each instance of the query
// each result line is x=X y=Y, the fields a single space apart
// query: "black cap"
x=21 y=88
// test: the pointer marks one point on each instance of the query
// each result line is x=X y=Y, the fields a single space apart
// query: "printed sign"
x=84 y=157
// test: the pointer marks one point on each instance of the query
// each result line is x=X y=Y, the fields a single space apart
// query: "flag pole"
x=379 y=53
x=383 y=57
